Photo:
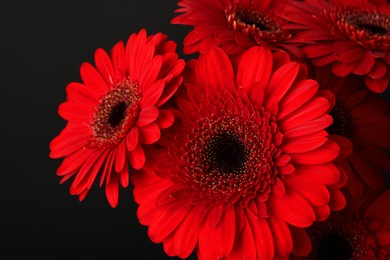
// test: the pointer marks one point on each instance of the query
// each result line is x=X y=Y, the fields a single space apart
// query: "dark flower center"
x=373 y=28
x=342 y=121
x=261 y=26
x=226 y=153
x=334 y=247
x=342 y=237
x=253 y=19
x=368 y=28
x=115 y=114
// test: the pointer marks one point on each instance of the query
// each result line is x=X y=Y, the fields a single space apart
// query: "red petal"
x=378 y=70
x=337 y=200
x=152 y=94
x=310 y=127
x=345 y=145
x=149 y=134
x=147 y=115
x=118 y=60
x=262 y=235
x=314 y=50
x=108 y=167
x=279 y=84
x=301 y=242
x=112 y=192
x=325 y=174
x=165 y=223
x=286 y=169
x=92 y=78
x=315 y=194
x=378 y=85
x=172 y=198
x=149 y=192
x=104 y=66
x=187 y=234
x=348 y=52
x=132 y=139
x=124 y=176
x=169 y=90
x=304 y=143
x=278 y=188
x=76 y=112
x=312 y=110
x=316 y=35
x=165 y=118
x=137 y=157
x=215 y=70
x=150 y=73
x=282 y=160
x=247 y=239
x=322 y=212
x=324 y=60
x=80 y=93
x=83 y=177
x=138 y=53
x=97 y=167
x=365 y=64
x=214 y=216
x=71 y=139
x=146 y=211
x=282 y=236
x=120 y=157
x=299 y=94
x=342 y=69
x=292 y=208
x=222 y=236
x=325 y=153
x=255 y=66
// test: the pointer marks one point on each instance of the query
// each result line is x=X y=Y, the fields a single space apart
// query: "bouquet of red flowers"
x=272 y=143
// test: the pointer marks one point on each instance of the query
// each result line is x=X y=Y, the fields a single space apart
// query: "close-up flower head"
x=235 y=25
x=353 y=233
x=115 y=112
x=248 y=130
x=352 y=36
x=361 y=121
x=249 y=163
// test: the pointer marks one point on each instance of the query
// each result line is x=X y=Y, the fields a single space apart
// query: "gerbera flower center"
x=260 y=26
x=372 y=28
x=334 y=246
x=115 y=113
x=342 y=121
x=342 y=237
x=369 y=29
x=226 y=153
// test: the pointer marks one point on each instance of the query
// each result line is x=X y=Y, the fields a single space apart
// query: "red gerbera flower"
x=353 y=36
x=359 y=234
x=362 y=118
x=115 y=112
x=248 y=162
x=234 y=25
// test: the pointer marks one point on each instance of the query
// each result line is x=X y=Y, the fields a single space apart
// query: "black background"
x=43 y=44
